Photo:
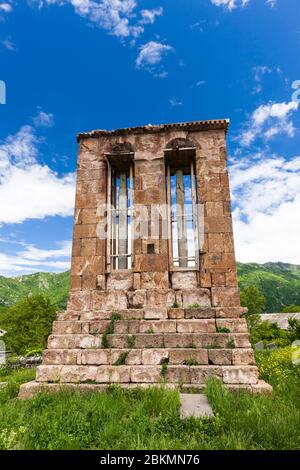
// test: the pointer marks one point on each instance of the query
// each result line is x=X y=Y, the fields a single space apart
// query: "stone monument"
x=154 y=297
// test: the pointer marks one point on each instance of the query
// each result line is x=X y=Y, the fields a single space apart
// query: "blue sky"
x=76 y=65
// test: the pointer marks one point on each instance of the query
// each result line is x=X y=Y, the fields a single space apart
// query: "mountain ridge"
x=279 y=282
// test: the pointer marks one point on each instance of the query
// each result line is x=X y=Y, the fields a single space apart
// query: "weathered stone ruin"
x=154 y=296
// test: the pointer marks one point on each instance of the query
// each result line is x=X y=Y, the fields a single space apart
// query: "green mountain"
x=279 y=282
x=56 y=286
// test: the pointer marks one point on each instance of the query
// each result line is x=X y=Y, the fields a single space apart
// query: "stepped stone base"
x=30 y=389
x=149 y=346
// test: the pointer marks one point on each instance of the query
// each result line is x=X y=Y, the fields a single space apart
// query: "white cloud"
x=5 y=7
x=43 y=119
x=266 y=201
x=31 y=259
x=151 y=55
x=119 y=17
x=269 y=120
x=8 y=44
x=149 y=16
x=232 y=4
x=29 y=189
x=174 y=102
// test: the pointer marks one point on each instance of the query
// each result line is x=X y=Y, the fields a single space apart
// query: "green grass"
x=149 y=419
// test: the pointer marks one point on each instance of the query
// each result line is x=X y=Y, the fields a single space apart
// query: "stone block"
x=153 y=280
x=152 y=313
x=214 y=209
x=235 y=325
x=202 y=312
x=178 y=374
x=160 y=298
x=240 y=375
x=120 y=281
x=100 y=281
x=218 y=225
x=176 y=313
x=155 y=340
x=180 y=340
x=154 y=356
x=196 y=296
x=48 y=373
x=159 y=326
x=109 y=300
x=137 y=299
x=88 y=247
x=75 y=374
x=220 y=356
x=218 y=279
x=66 y=327
x=95 y=357
x=79 y=301
x=199 y=374
x=136 y=281
x=225 y=297
x=146 y=374
x=229 y=312
x=243 y=356
x=184 y=278
x=59 y=357
x=150 y=263
x=179 y=356
x=98 y=326
x=196 y=326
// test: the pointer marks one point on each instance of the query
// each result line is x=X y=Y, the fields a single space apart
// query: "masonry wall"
x=217 y=271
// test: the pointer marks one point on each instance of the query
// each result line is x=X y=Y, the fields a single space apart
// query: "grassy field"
x=149 y=419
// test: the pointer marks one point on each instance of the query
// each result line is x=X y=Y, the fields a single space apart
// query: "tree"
x=28 y=324
x=291 y=309
x=253 y=299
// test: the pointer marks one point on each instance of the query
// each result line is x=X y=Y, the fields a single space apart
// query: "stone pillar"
x=88 y=253
x=217 y=262
x=151 y=255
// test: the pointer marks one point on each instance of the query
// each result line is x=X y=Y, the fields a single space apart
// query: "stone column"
x=217 y=263
x=88 y=254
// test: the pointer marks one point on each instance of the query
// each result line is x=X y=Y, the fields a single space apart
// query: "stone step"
x=238 y=325
x=160 y=313
x=152 y=340
x=30 y=389
x=192 y=356
x=146 y=374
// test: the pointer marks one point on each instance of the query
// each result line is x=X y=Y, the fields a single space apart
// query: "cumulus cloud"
x=151 y=55
x=268 y=121
x=43 y=119
x=29 y=189
x=5 y=7
x=232 y=4
x=266 y=201
x=120 y=18
x=29 y=259
x=8 y=44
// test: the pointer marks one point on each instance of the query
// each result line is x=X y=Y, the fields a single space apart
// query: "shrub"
x=291 y=309
x=270 y=332
x=28 y=324
x=253 y=299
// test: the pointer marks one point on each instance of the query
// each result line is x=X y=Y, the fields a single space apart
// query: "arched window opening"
x=120 y=207
x=182 y=205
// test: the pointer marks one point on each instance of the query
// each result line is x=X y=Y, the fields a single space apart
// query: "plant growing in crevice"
x=109 y=330
x=221 y=329
x=190 y=362
x=121 y=359
x=130 y=341
x=195 y=305
x=164 y=367
x=231 y=344
x=175 y=305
